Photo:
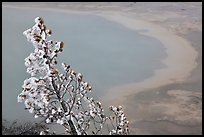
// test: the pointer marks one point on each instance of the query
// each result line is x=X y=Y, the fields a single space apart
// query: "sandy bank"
x=179 y=63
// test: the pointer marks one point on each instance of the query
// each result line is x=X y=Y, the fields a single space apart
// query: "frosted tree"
x=62 y=97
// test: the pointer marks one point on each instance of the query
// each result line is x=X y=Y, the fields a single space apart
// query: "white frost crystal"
x=59 y=121
x=48 y=120
x=53 y=111
x=36 y=116
x=31 y=110
x=38 y=19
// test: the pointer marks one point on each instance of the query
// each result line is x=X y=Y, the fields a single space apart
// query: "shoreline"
x=175 y=63
x=174 y=44
x=171 y=99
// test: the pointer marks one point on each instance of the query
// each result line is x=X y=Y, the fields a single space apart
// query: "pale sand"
x=185 y=106
x=181 y=110
x=179 y=63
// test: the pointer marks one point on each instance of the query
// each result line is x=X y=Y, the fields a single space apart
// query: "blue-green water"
x=105 y=52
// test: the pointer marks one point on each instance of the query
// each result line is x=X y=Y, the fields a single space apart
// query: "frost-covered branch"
x=62 y=97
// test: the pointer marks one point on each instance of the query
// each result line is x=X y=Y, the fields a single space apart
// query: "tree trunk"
x=71 y=124
x=73 y=130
